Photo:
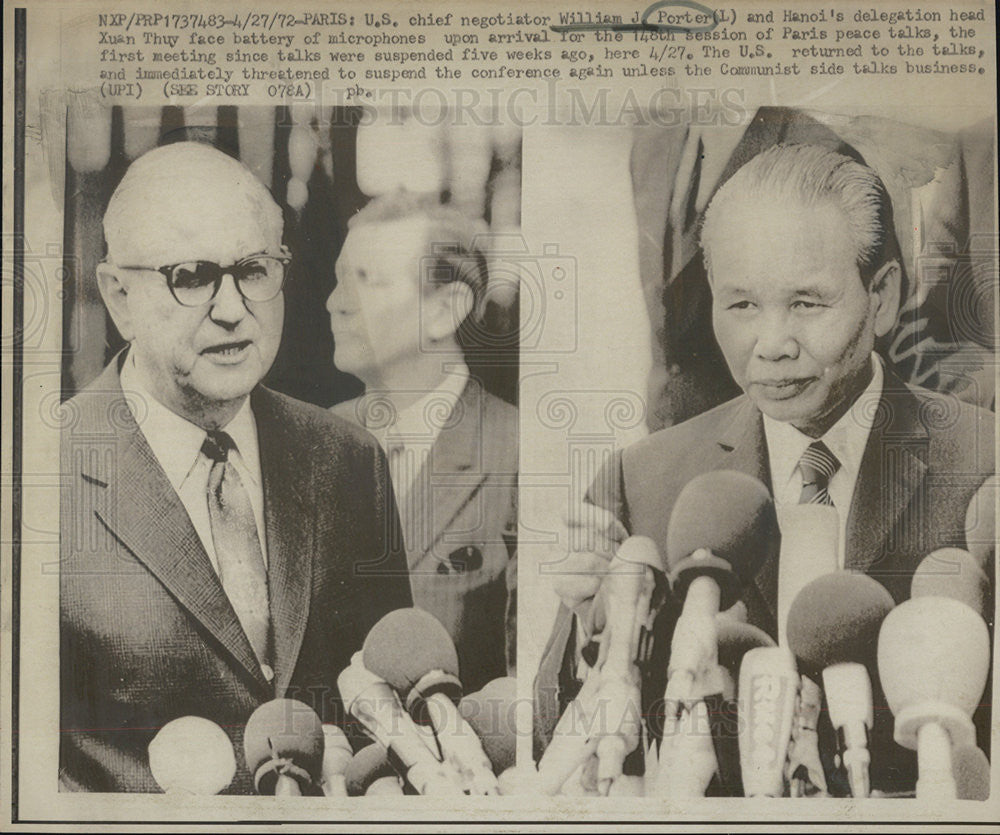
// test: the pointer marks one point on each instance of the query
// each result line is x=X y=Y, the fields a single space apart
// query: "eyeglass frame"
x=284 y=257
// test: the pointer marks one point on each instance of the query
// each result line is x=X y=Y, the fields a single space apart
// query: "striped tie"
x=817 y=466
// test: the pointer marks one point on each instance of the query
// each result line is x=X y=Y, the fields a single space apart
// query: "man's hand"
x=590 y=536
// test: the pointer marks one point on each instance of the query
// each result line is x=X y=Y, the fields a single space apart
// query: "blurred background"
x=322 y=165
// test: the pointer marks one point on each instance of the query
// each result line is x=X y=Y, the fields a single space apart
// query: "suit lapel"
x=142 y=510
x=455 y=470
x=744 y=449
x=890 y=476
x=288 y=502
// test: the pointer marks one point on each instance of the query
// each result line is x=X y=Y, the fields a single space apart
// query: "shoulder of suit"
x=962 y=434
x=312 y=424
x=497 y=429
x=688 y=437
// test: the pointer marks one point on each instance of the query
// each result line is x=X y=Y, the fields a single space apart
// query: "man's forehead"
x=390 y=242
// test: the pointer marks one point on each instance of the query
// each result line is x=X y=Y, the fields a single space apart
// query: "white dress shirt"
x=176 y=444
x=846 y=439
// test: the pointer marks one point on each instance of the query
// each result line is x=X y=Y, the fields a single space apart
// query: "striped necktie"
x=817 y=466
x=237 y=545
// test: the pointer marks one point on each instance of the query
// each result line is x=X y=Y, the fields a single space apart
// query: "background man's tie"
x=817 y=466
x=237 y=546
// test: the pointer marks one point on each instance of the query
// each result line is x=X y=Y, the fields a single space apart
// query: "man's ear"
x=115 y=295
x=885 y=288
x=445 y=307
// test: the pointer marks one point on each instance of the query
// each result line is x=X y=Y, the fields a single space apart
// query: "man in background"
x=221 y=544
x=410 y=287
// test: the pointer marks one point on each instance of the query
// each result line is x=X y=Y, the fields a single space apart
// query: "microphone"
x=722 y=528
x=954 y=573
x=490 y=712
x=981 y=522
x=833 y=626
x=573 y=741
x=933 y=659
x=769 y=685
x=629 y=587
x=337 y=753
x=375 y=704
x=370 y=772
x=192 y=755
x=283 y=744
x=413 y=652
x=736 y=639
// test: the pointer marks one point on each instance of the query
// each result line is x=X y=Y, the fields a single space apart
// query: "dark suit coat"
x=926 y=456
x=468 y=500
x=147 y=632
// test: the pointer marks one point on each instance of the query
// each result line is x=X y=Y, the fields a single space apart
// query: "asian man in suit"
x=804 y=279
x=221 y=544
x=410 y=282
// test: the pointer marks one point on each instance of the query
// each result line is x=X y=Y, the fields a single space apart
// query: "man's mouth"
x=227 y=351
x=783 y=389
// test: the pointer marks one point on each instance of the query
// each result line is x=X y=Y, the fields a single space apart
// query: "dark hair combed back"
x=815 y=176
x=452 y=252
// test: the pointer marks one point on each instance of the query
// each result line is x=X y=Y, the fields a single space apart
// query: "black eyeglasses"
x=258 y=278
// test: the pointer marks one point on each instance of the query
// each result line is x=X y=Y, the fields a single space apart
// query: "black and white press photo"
x=289 y=452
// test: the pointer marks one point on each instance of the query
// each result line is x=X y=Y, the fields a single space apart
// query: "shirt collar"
x=175 y=441
x=423 y=419
x=846 y=439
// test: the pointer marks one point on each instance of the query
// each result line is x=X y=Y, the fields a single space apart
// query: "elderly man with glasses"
x=221 y=544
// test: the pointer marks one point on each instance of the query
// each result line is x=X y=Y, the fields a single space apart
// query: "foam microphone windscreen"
x=971 y=770
x=981 y=522
x=192 y=755
x=954 y=573
x=405 y=645
x=283 y=729
x=491 y=714
x=729 y=513
x=369 y=764
x=736 y=639
x=836 y=619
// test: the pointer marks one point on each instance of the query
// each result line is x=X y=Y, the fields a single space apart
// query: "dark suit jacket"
x=926 y=456
x=464 y=571
x=147 y=633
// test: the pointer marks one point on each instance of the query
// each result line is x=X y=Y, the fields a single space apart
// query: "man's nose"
x=228 y=306
x=341 y=300
x=775 y=338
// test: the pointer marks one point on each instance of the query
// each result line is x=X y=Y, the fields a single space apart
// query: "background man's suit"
x=925 y=458
x=147 y=632
x=464 y=570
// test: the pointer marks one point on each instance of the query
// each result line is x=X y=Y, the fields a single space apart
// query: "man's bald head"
x=189 y=201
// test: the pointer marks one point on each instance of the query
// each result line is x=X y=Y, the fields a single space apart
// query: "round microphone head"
x=192 y=755
x=736 y=639
x=954 y=573
x=971 y=770
x=283 y=729
x=730 y=514
x=933 y=651
x=371 y=763
x=405 y=645
x=836 y=619
x=490 y=712
x=981 y=522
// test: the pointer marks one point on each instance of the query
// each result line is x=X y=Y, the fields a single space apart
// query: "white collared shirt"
x=176 y=444
x=846 y=439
